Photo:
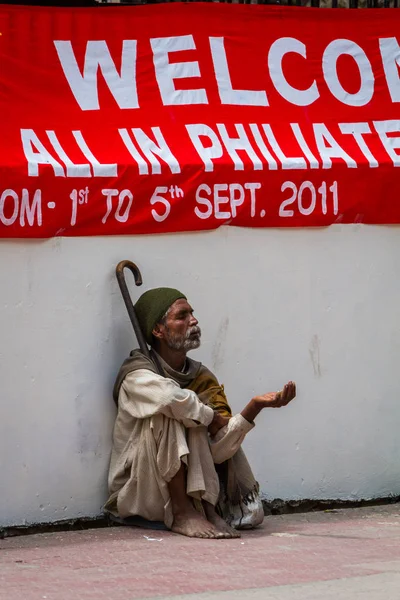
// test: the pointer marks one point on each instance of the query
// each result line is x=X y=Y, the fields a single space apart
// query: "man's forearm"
x=189 y=409
x=252 y=409
x=147 y=394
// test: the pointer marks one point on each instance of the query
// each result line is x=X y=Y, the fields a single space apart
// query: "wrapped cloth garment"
x=161 y=422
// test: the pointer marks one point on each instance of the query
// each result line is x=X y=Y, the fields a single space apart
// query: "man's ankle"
x=183 y=506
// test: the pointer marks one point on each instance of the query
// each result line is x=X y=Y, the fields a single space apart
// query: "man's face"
x=181 y=330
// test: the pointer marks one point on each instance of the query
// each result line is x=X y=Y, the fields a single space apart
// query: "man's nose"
x=193 y=321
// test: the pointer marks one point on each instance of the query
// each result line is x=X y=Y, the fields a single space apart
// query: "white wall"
x=320 y=306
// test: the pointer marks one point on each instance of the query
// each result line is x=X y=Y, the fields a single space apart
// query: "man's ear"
x=157 y=331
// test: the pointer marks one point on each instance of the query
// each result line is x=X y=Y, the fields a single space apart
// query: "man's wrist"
x=251 y=410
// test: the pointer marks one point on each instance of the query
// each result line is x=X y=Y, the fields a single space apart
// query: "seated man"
x=177 y=454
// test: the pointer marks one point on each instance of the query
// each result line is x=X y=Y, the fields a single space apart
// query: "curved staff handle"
x=119 y=271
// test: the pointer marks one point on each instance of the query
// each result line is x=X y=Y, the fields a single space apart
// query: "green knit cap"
x=152 y=306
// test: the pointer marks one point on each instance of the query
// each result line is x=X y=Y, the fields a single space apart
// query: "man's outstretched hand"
x=277 y=399
x=270 y=400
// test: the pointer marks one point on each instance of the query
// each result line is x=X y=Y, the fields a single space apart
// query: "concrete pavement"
x=350 y=554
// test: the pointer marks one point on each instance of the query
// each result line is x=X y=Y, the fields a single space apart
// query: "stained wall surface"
x=319 y=306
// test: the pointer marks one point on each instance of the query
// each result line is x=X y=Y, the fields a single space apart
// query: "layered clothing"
x=162 y=421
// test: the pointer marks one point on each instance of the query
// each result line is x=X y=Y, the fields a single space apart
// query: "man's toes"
x=213 y=534
x=205 y=533
x=236 y=534
x=223 y=534
x=219 y=535
x=200 y=534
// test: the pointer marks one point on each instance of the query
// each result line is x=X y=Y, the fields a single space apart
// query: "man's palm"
x=278 y=399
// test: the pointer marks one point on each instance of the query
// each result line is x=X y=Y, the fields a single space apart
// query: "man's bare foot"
x=193 y=524
x=187 y=520
x=218 y=521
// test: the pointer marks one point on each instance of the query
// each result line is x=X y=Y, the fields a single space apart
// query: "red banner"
x=178 y=117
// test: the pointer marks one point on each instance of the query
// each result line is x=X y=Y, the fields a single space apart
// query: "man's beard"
x=189 y=341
